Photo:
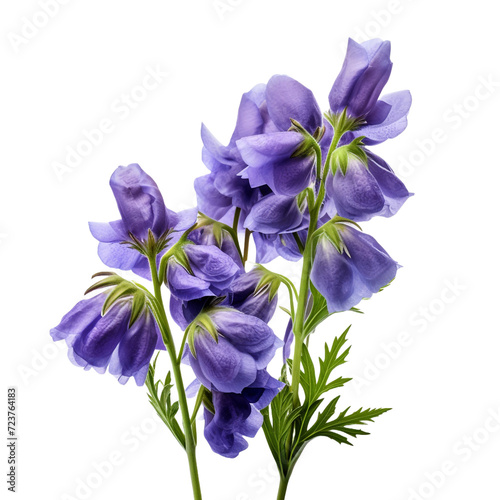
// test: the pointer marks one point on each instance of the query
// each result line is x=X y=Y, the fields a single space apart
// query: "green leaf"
x=162 y=403
x=332 y=359
x=324 y=426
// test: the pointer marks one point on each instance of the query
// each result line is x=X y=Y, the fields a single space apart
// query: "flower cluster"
x=299 y=181
x=225 y=313
x=272 y=160
x=208 y=286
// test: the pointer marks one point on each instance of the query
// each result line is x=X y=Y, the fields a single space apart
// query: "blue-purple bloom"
x=211 y=272
x=240 y=295
x=366 y=70
x=142 y=209
x=234 y=418
x=270 y=156
x=346 y=277
x=366 y=191
x=245 y=346
x=233 y=368
x=101 y=342
x=243 y=296
x=224 y=189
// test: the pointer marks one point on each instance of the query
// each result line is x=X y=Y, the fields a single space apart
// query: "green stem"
x=282 y=488
x=236 y=219
x=247 y=243
x=179 y=383
x=298 y=327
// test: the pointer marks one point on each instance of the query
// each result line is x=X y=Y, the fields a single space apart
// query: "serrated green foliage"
x=288 y=430
x=162 y=402
x=324 y=426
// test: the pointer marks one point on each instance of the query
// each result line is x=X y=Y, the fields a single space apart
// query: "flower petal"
x=184 y=285
x=394 y=123
x=287 y=98
x=139 y=201
x=275 y=214
x=221 y=364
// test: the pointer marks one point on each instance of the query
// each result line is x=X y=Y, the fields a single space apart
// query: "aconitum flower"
x=357 y=89
x=243 y=296
x=222 y=239
x=234 y=418
x=276 y=214
x=142 y=209
x=211 y=272
x=245 y=345
x=99 y=342
x=344 y=277
x=224 y=189
x=273 y=158
x=366 y=191
x=240 y=295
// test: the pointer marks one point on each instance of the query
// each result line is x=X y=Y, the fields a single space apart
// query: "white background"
x=443 y=383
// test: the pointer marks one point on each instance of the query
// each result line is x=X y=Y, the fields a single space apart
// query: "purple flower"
x=244 y=347
x=271 y=156
x=209 y=263
x=227 y=187
x=242 y=295
x=366 y=191
x=99 y=342
x=142 y=209
x=214 y=261
x=345 y=277
x=210 y=274
x=223 y=189
x=234 y=418
x=365 y=72
x=275 y=214
x=222 y=239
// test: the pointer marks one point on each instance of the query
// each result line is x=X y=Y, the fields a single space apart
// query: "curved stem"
x=179 y=383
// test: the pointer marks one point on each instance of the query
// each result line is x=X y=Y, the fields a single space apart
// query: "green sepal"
x=149 y=246
x=204 y=323
x=309 y=143
x=341 y=156
x=138 y=304
x=343 y=122
x=120 y=291
x=112 y=279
